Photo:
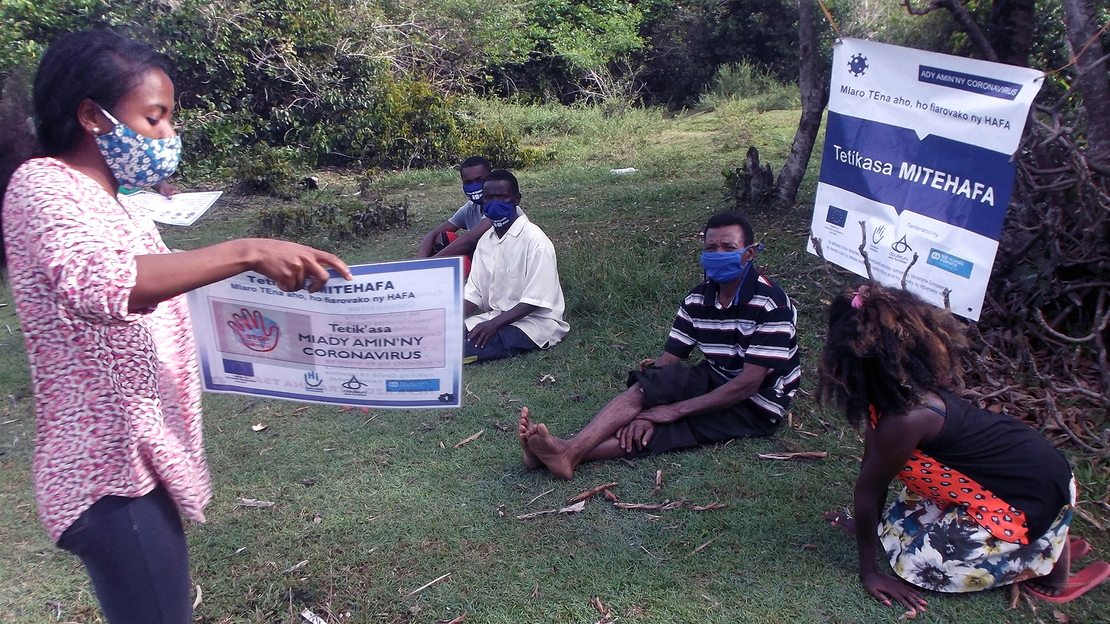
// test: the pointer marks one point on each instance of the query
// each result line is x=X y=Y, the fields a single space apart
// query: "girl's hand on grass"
x=886 y=588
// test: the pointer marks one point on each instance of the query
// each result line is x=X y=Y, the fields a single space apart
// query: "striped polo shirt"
x=761 y=328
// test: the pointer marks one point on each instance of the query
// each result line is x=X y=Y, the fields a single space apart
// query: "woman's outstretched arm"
x=290 y=265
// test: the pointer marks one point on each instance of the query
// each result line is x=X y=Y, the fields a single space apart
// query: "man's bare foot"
x=550 y=450
x=841 y=520
x=531 y=462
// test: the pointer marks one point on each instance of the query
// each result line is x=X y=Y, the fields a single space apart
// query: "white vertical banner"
x=918 y=149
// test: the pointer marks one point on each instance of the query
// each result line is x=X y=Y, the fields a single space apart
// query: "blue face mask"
x=136 y=160
x=498 y=212
x=473 y=192
x=725 y=267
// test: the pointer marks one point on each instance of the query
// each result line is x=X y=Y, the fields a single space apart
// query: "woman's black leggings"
x=134 y=550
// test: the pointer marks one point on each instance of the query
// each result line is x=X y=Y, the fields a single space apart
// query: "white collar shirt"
x=519 y=267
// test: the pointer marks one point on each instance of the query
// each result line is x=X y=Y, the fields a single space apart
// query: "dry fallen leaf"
x=259 y=427
x=575 y=508
x=458 y=620
x=547 y=379
x=1062 y=618
x=596 y=603
x=908 y=615
x=252 y=502
x=295 y=567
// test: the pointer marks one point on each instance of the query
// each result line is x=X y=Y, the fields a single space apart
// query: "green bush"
x=336 y=221
x=263 y=170
x=280 y=83
x=746 y=82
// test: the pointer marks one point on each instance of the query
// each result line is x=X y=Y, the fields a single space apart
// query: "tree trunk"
x=814 y=97
x=1079 y=15
x=1010 y=30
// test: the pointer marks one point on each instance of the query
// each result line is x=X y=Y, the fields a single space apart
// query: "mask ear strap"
x=107 y=114
x=758 y=250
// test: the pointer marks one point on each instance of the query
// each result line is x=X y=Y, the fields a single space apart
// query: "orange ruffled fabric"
x=931 y=479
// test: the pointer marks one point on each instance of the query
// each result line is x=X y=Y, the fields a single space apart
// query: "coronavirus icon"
x=858 y=65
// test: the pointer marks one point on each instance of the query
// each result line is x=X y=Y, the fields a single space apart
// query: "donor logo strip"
x=950 y=263
x=412 y=385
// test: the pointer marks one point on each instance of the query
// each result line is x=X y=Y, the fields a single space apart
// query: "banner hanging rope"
x=831 y=20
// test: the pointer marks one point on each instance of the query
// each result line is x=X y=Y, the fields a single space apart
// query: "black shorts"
x=673 y=383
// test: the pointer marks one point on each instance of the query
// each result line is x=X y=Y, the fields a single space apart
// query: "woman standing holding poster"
x=118 y=450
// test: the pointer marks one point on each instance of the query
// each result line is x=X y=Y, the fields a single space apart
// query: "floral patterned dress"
x=949 y=533
x=117 y=393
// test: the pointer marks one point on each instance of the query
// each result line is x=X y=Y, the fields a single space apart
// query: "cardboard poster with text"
x=391 y=337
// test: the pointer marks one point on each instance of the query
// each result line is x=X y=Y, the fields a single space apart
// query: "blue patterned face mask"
x=136 y=160
x=473 y=192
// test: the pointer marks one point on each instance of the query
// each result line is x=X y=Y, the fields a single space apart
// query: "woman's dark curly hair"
x=92 y=64
x=887 y=353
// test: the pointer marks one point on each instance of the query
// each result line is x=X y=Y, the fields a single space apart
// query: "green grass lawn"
x=370 y=507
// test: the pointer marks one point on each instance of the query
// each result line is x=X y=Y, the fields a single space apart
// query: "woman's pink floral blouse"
x=117 y=394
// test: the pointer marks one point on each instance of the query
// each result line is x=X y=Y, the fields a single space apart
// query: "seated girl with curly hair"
x=986 y=499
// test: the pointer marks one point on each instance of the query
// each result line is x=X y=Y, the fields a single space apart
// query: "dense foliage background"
x=378 y=83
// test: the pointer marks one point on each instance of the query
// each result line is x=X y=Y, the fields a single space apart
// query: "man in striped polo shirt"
x=742 y=322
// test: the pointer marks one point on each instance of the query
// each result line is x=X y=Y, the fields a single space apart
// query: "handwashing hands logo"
x=255 y=331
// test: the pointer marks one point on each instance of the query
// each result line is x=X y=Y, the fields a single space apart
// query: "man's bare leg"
x=595 y=441
x=531 y=462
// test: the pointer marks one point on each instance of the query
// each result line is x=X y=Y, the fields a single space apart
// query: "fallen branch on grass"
x=669 y=506
x=794 y=456
x=470 y=439
x=698 y=549
x=426 y=585
x=539 y=496
x=590 y=492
